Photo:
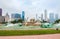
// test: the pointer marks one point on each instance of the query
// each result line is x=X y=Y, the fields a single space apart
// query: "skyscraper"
x=0 y=12
x=45 y=15
x=42 y=17
x=16 y=16
x=36 y=17
x=7 y=17
x=51 y=17
x=2 y=19
x=23 y=15
x=56 y=16
x=12 y=15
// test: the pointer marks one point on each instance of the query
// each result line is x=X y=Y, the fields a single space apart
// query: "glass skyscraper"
x=56 y=16
x=51 y=17
x=23 y=15
x=16 y=16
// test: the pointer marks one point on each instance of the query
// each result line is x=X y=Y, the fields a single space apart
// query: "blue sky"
x=31 y=7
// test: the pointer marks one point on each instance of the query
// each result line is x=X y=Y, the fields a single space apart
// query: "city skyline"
x=31 y=7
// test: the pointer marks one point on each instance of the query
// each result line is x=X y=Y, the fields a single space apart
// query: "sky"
x=31 y=7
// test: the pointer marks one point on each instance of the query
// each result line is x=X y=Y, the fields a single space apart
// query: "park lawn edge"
x=27 y=32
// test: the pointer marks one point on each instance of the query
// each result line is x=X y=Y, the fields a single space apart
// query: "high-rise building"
x=7 y=17
x=23 y=15
x=0 y=12
x=36 y=16
x=51 y=17
x=42 y=17
x=56 y=16
x=45 y=15
x=12 y=15
x=16 y=16
x=7 y=14
x=2 y=19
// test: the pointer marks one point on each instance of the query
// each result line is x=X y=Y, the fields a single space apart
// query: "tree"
x=44 y=21
x=13 y=21
x=4 y=22
x=17 y=21
x=57 y=21
x=20 y=21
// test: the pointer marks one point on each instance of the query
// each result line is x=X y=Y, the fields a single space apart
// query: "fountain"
x=46 y=25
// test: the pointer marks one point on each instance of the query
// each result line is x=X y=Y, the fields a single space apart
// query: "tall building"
x=16 y=16
x=51 y=17
x=2 y=19
x=7 y=17
x=23 y=15
x=41 y=17
x=36 y=17
x=45 y=15
x=56 y=16
x=12 y=15
x=0 y=12
x=7 y=14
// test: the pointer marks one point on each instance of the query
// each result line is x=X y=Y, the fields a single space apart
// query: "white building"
x=7 y=17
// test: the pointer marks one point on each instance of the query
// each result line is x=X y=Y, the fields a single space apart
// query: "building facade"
x=45 y=12
x=23 y=15
x=16 y=16
x=56 y=16
x=51 y=17
x=7 y=17
x=42 y=17
x=0 y=12
x=2 y=19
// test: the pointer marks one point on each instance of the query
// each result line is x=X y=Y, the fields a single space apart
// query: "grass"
x=27 y=32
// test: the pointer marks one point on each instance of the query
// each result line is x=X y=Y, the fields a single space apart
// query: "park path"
x=51 y=36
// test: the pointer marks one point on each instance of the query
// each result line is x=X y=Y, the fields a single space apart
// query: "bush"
x=17 y=21
x=57 y=21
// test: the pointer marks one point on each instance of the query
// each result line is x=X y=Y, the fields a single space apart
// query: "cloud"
x=30 y=6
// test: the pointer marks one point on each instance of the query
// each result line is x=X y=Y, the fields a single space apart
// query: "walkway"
x=51 y=36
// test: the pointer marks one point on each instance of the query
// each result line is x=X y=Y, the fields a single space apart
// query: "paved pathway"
x=51 y=36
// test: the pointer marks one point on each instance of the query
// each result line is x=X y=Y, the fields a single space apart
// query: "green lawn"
x=27 y=32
